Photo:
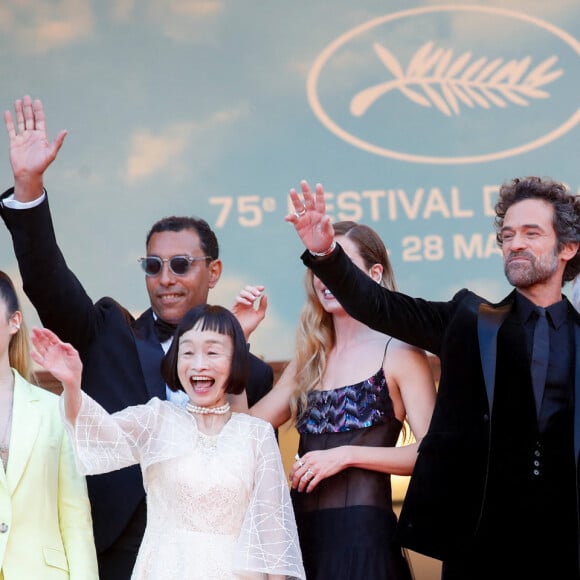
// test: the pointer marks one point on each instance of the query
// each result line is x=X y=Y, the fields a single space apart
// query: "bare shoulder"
x=403 y=348
x=406 y=363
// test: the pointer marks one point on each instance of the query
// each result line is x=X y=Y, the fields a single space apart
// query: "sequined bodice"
x=358 y=406
x=360 y=414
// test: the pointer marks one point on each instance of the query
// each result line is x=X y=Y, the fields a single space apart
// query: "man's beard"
x=533 y=271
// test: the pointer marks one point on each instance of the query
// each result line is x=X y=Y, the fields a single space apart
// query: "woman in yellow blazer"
x=45 y=518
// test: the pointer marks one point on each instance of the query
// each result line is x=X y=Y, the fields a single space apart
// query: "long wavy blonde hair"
x=315 y=335
x=19 y=348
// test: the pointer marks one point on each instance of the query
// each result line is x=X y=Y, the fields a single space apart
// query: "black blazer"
x=121 y=356
x=447 y=489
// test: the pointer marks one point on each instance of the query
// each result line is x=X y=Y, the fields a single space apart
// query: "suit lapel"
x=489 y=321
x=577 y=389
x=25 y=426
x=150 y=354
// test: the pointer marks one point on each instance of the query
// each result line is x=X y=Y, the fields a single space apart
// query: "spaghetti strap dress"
x=346 y=525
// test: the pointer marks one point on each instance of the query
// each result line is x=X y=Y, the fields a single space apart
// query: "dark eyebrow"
x=523 y=227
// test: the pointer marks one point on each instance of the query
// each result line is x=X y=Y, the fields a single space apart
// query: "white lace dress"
x=218 y=507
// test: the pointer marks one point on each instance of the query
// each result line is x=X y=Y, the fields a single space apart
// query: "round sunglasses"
x=179 y=265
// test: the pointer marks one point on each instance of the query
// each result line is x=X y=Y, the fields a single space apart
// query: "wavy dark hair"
x=566 y=206
x=222 y=321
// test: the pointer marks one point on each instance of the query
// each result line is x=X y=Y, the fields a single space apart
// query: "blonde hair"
x=19 y=348
x=315 y=335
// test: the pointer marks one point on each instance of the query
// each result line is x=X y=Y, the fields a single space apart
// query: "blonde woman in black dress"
x=349 y=391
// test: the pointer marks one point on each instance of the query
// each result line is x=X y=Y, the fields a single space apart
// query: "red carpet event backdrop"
x=410 y=113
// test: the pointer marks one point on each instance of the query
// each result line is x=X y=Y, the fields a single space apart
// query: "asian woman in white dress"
x=217 y=496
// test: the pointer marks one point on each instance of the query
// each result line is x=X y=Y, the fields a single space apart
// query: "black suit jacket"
x=121 y=356
x=446 y=493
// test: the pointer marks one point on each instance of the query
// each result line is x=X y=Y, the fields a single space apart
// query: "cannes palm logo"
x=476 y=92
x=434 y=78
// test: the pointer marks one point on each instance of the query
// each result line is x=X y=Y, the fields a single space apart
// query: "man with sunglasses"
x=121 y=355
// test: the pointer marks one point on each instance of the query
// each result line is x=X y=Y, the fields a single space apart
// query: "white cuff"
x=12 y=203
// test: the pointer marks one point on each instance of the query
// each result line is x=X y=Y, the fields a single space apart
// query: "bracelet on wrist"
x=326 y=252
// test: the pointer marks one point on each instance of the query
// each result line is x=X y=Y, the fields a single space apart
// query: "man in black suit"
x=494 y=492
x=121 y=355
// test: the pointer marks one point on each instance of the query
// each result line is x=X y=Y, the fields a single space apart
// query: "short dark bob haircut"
x=217 y=319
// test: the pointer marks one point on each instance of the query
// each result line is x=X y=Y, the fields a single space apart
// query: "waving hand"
x=310 y=219
x=30 y=151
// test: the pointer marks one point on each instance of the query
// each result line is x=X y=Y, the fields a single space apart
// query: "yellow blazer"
x=45 y=516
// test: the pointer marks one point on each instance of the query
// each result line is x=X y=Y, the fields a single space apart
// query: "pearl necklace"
x=208 y=410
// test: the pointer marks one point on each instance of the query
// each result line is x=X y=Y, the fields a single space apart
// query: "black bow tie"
x=164 y=330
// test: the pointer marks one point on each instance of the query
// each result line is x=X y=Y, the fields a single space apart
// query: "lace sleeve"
x=106 y=442
x=268 y=541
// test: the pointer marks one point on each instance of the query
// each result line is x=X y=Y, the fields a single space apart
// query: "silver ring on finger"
x=300 y=213
x=309 y=474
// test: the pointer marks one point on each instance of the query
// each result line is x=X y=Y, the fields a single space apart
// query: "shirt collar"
x=557 y=311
